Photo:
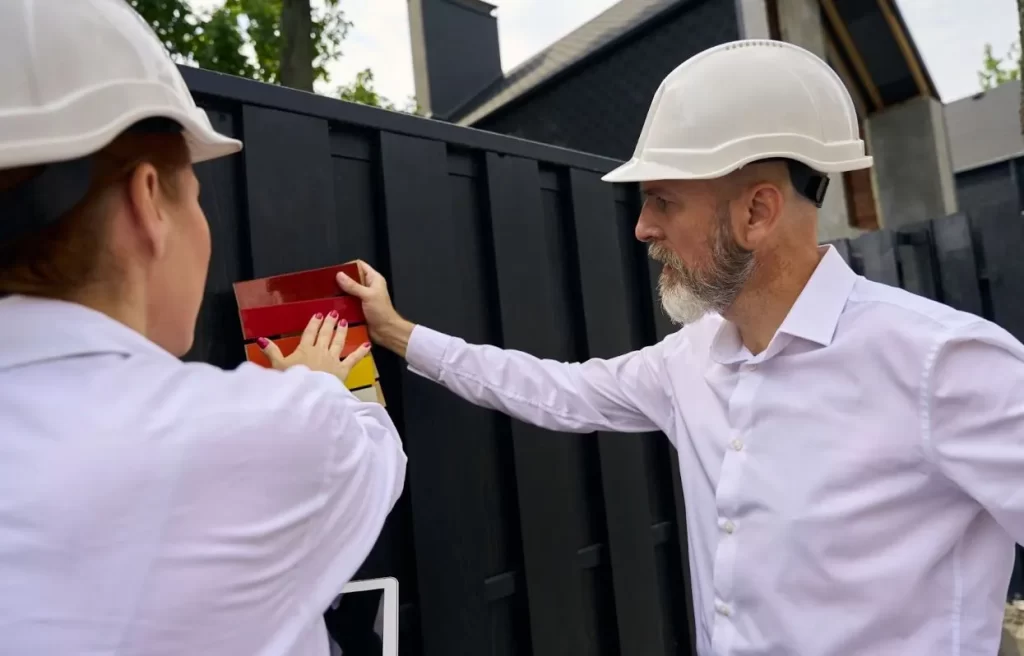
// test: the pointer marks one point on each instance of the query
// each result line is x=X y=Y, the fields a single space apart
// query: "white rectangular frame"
x=390 y=611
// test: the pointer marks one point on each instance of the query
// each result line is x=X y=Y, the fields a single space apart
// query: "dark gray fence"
x=509 y=539
x=969 y=261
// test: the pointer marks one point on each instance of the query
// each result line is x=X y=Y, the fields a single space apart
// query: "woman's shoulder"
x=247 y=404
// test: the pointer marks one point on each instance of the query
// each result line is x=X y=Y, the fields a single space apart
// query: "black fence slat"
x=535 y=319
x=290 y=191
x=917 y=260
x=217 y=328
x=957 y=264
x=842 y=247
x=876 y=253
x=999 y=230
x=613 y=329
x=443 y=435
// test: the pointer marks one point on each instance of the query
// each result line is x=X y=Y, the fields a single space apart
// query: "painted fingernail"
x=263 y=342
x=366 y=344
x=333 y=314
x=343 y=323
x=318 y=316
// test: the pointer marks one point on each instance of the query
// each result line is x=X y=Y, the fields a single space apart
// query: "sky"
x=951 y=35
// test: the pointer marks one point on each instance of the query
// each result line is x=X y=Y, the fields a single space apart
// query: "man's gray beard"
x=689 y=294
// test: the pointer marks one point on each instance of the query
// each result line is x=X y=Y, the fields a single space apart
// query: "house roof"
x=607 y=28
x=872 y=38
x=985 y=128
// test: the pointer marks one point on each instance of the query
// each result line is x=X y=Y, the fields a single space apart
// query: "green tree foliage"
x=997 y=70
x=361 y=90
x=244 y=38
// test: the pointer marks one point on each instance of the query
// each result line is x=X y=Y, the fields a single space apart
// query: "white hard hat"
x=745 y=101
x=75 y=74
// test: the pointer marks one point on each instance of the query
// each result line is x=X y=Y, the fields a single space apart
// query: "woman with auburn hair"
x=147 y=505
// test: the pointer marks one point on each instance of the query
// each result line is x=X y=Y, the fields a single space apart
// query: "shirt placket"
x=728 y=499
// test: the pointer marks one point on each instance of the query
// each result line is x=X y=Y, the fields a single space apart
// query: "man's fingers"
x=270 y=350
x=338 y=341
x=352 y=287
x=312 y=328
x=370 y=276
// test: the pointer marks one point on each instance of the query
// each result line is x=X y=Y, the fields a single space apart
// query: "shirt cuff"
x=425 y=352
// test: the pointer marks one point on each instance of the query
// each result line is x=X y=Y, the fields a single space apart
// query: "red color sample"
x=293 y=287
x=288 y=318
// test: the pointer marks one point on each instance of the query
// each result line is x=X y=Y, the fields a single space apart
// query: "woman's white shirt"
x=151 y=506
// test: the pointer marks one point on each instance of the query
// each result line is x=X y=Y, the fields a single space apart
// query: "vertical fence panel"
x=502 y=555
x=999 y=230
x=612 y=329
x=917 y=260
x=842 y=247
x=876 y=253
x=221 y=197
x=429 y=263
x=290 y=191
x=663 y=327
x=958 y=267
x=534 y=319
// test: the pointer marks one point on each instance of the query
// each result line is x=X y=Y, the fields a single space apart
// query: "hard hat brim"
x=205 y=143
x=641 y=170
x=54 y=141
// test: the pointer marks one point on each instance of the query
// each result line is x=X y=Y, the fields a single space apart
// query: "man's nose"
x=645 y=231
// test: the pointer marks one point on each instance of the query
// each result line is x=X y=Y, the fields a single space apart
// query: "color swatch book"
x=279 y=307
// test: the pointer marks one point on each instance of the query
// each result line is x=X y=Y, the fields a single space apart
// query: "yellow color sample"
x=363 y=374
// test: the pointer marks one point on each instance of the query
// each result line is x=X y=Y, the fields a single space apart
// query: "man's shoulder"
x=894 y=309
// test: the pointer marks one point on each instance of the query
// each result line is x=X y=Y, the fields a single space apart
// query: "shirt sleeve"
x=973 y=418
x=363 y=477
x=625 y=394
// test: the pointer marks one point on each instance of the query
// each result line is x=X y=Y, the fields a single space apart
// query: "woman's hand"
x=319 y=348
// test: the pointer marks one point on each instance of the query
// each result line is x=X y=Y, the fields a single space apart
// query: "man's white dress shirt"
x=150 y=507
x=854 y=490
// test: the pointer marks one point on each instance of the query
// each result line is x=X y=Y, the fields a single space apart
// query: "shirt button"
x=722 y=609
x=737 y=445
x=729 y=526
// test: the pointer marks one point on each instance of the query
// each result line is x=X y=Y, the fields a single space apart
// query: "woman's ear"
x=144 y=201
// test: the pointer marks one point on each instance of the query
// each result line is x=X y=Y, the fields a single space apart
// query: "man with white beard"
x=852 y=455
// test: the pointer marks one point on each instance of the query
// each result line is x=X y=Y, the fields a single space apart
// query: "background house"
x=987 y=148
x=591 y=89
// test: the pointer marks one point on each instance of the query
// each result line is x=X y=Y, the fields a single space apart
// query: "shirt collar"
x=813 y=317
x=37 y=329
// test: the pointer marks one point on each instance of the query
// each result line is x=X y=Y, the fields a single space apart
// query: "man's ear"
x=764 y=202
x=145 y=200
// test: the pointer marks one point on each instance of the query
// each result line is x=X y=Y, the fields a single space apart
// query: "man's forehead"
x=655 y=186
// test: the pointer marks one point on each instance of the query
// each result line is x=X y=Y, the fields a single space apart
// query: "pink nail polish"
x=333 y=314
x=318 y=316
x=366 y=344
x=263 y=342
x=344 y=323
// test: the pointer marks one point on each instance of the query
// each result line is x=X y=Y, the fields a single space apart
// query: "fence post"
x=612 y=329
x=536 y=318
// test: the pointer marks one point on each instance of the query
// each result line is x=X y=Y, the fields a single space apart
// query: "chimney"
x=454 y=51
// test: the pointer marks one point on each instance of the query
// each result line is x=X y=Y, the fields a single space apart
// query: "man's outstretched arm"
x=624 y=394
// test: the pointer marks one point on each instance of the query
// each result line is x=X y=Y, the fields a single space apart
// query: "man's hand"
x=386 y=326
